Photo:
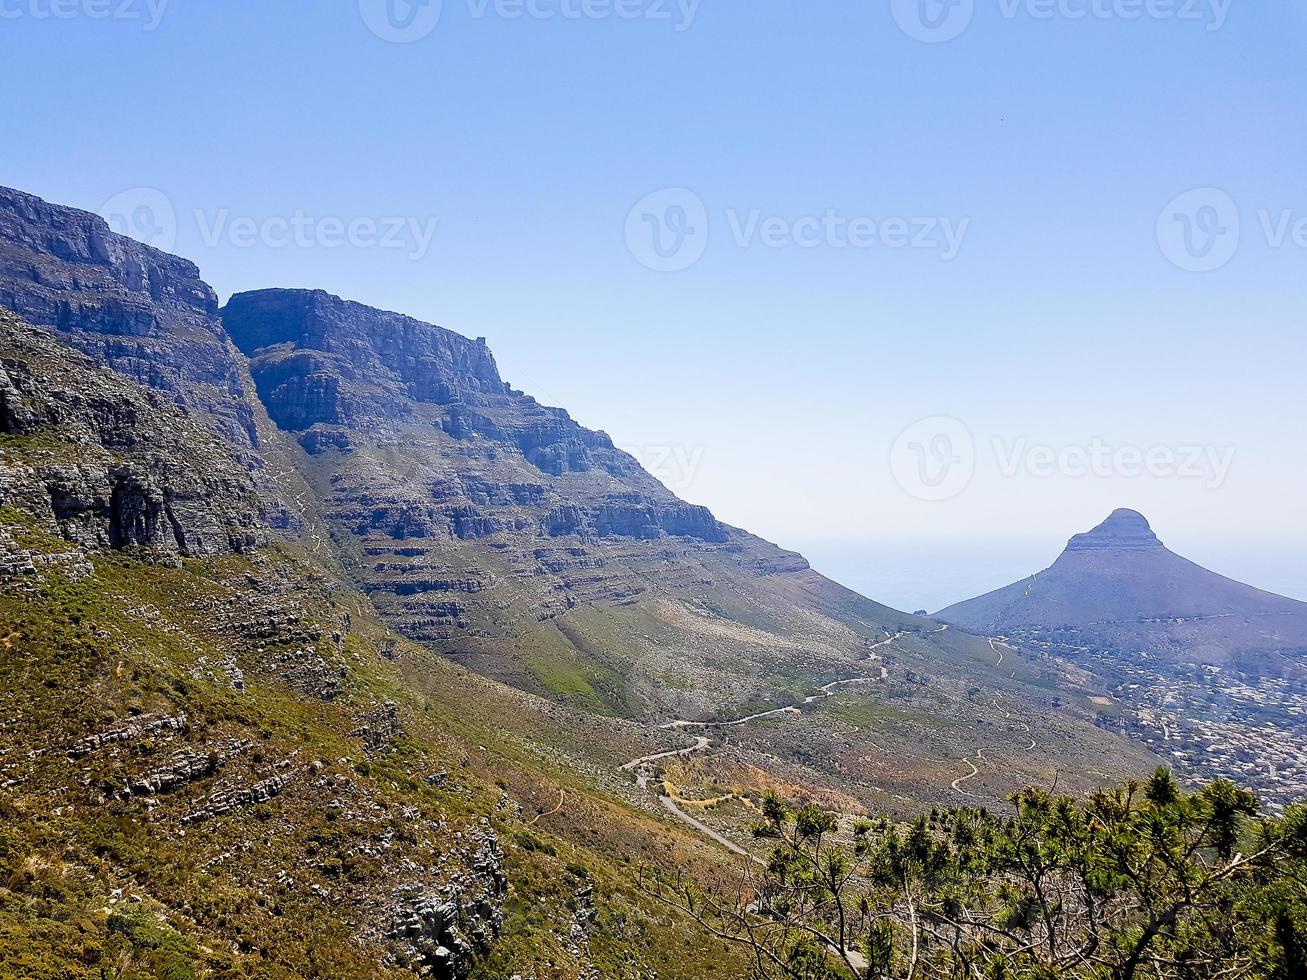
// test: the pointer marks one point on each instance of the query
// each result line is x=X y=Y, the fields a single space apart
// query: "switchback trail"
x=643 y=773
x=640 y=766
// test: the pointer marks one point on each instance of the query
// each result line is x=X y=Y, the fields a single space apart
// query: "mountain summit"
x=1119 y=587
x=1123 y=529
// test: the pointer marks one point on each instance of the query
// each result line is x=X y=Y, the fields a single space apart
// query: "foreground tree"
x=1144 y=881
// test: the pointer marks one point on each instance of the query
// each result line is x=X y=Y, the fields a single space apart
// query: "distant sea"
x=932 y=574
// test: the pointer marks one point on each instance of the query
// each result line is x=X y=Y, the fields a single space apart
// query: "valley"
x=330 y=652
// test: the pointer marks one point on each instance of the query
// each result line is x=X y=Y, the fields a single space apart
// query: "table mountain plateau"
x=1119 y=587
x=494 y=529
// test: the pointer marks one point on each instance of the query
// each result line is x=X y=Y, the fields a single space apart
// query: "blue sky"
x=945 y=269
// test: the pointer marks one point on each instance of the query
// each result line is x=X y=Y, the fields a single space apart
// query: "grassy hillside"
x=231 y=673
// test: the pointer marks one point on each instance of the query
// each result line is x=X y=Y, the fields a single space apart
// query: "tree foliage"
x=1143 y=881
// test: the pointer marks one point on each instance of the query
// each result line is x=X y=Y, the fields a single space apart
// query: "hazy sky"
x=920 y=289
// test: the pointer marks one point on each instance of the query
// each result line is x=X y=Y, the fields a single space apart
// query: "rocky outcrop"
x=129 y=732
x=144 y=313
x=224 y=801
x=319 y=359
x=443 y=930
x=379 y=727
x=185 y=766
x=107 y=463
x=1126 y=530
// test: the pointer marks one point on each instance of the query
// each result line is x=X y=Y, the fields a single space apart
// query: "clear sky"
x=904 y=250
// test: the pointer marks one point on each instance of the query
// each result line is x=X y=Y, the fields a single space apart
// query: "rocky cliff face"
x=150 y=317
x=108 y=464
x=490 y=527
x=1124 y=530
x=144 y=313
x=505 y=534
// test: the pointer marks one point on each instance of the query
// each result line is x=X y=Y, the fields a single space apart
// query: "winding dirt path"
x=975 y=771
x=641 y=766
x=1000 y=653
x=643 y=773
x=562 y=795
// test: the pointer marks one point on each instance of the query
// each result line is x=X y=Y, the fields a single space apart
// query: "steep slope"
x=144 y=313
x=214 y=761
x=1117 y=586
x=502 y=533
x=107 y=463
x=150 y=317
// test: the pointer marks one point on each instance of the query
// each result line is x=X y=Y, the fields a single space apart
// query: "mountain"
x=144 y=313
x=247 y=557
x=1119 y=587
x=491 y=528
x=216 y=761
x=505 y=535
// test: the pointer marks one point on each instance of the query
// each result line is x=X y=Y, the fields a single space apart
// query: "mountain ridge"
x=494 y=529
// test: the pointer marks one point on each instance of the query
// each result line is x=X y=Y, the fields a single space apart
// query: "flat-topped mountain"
x=487 y=526
x=1118 y=586
x=504 y=534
